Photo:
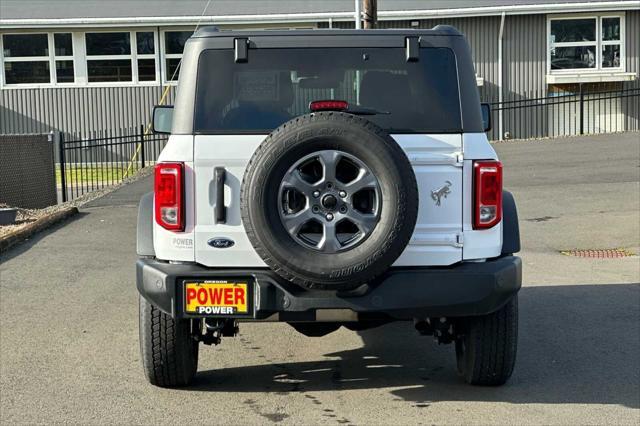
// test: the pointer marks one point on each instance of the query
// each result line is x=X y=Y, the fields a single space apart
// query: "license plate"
x=217 y=298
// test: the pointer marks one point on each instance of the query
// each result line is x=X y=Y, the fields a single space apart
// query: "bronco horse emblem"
x=438 y=194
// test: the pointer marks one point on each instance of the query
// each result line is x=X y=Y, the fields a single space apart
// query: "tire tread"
x=490 y=346
x=169 y=354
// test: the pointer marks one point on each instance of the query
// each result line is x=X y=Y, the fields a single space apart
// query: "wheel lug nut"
x=342 y=194
x=329 y=217
x=316 y=194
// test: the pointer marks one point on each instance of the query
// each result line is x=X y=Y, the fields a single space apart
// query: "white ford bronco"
x=325 y=179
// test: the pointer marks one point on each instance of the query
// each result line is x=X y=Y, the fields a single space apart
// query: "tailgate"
x=436 y=160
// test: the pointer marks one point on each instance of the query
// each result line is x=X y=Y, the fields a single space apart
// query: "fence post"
x=63 y=173
x=142 y=145
x=581 y=109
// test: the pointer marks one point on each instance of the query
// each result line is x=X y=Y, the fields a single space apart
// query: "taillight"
x=169 y=196
x=329 y=105
x=487 y=205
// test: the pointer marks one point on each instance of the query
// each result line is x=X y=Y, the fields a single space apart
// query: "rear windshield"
x=275 y=85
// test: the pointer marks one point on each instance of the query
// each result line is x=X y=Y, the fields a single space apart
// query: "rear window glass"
x=276 y=85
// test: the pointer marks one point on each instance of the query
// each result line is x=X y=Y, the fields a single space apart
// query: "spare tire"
x=329 y=200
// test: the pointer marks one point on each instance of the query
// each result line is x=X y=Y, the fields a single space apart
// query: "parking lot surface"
x=69 y=338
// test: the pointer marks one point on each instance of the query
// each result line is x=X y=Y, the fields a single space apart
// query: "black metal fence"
x=88 y=162
x=99 y=159
x=567 y=114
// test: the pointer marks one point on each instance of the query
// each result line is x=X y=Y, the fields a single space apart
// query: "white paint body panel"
x=233 y=153
x=443 y=234
x=435 y=160
x=178 y=246
x=486 y=243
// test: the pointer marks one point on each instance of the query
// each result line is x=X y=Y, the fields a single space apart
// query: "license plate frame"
x=213 y=287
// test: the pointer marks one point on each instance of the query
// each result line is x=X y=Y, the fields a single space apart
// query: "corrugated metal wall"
x=524 y=72
x=77 y=109
x=524 y=56
x=524 y=69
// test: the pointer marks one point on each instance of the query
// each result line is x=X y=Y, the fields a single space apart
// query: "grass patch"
x=93 y=174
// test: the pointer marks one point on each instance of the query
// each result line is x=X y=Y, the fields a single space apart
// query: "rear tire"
x=168 y=350
x=486 y=349
x=346 y=135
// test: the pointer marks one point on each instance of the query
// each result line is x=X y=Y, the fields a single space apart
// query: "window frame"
x=599 y=43
x=164 y=55
x=51 y=58
x=155 y=56
x=80 y=58
x=133 y=57
x=55 y=58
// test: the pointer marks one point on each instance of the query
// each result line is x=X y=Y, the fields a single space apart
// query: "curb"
x=19 y=235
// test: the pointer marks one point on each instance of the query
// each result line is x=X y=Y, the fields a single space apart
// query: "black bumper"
x=402 y=293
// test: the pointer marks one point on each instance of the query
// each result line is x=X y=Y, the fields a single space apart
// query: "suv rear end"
x=328 y=178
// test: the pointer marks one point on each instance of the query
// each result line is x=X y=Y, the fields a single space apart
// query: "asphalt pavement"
x=69 y=327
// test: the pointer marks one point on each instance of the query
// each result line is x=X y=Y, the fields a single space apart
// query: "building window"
x=146 y=56
x=121 y=57
x=115 y=57
x=38 y=58
x=173 y=46
x=26 y=58
x=63 y=52
x=108 y=57
x=591 y=43
x=611 y=42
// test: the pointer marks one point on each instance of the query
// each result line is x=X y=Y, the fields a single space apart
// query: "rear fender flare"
x=144 y=231
x=510 y=226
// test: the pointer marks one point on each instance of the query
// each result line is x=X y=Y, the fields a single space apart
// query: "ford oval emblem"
x=221 y=243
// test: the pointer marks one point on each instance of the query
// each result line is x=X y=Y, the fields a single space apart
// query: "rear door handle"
x=220 y=211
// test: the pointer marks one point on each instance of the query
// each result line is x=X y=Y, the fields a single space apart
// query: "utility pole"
x=370 y=13
x=356 y=15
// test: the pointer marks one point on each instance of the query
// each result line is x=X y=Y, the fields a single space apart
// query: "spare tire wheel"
x=329 y=200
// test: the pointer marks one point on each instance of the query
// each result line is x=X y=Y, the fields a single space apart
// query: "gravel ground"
x=27 y=216
x=23 y=218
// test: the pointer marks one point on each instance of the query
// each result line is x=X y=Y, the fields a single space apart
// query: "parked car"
x=326 y=179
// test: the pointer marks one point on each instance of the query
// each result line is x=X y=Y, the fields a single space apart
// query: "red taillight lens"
x=169 y=196
x=487 y=179
x=328 y=105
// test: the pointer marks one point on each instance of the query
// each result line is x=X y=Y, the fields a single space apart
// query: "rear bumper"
x=402 y=293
